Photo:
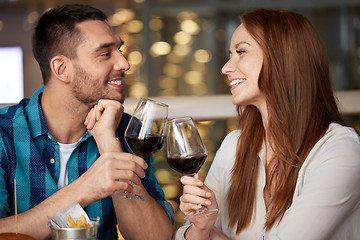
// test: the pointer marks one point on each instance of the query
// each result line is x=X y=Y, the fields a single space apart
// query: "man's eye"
x=105 y=54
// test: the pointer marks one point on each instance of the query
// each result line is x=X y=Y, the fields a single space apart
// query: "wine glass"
x=145 y=132
x=186 y=152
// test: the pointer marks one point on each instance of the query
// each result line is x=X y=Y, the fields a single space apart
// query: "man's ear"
x=60 y=67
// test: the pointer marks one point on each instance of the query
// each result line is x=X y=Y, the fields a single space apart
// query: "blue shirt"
x=30 y=154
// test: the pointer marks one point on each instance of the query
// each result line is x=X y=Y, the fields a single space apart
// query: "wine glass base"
x=130 y=195
x=202 y=213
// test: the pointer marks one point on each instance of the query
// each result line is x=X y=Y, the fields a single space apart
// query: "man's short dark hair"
x=55 y=33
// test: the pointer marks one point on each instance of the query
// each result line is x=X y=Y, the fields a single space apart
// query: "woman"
x=292 y=169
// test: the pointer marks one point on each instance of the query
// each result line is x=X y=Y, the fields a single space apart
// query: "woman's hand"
x=195 y=192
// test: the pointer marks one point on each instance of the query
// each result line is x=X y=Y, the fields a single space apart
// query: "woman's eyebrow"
x=241 y=43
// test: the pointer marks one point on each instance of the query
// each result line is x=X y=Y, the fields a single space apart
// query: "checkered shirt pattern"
x=30 y=154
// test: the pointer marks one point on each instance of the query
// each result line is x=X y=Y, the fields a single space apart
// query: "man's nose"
x=121 y=63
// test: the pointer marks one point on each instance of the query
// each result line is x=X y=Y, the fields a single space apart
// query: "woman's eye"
x=240 y=52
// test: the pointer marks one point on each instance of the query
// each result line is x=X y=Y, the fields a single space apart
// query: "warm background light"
x=135 y=58
x=182 y=38
x=160 y=48
x=190 y=26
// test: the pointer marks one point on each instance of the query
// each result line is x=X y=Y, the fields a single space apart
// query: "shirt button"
x=49 y=137
x=52 y=161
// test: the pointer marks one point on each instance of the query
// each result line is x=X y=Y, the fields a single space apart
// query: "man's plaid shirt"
x=30 y=154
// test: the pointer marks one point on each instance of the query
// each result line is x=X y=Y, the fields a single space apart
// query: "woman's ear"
x=60 y=67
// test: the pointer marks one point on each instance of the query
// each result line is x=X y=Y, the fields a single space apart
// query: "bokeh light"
x=193 y=77
x=32 y=17
x=182 y=50
x=190 y=26
x=186 y=15
x=160 y=48
x=156 y=24
x=135 y=58
x=122 y=15
x=134 y=26
x=167 y=82
x=172 y=70
x=202 y=56
x=138 y=90
x=182 y=38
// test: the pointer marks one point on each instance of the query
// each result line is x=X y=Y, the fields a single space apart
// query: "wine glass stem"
x=199 y=209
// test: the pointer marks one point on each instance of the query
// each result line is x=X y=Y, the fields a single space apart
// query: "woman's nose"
x=227 y=68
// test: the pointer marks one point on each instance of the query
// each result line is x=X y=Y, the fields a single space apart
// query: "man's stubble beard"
x=93 y=91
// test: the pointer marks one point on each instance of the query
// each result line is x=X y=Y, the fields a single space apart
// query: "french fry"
x=80 y=223
x=71 y=221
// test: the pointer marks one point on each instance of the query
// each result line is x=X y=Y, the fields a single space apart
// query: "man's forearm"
x=142 y=220
x=34 y=222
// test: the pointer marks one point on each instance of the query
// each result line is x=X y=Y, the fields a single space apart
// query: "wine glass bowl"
x=145 y=132
x=186 y=152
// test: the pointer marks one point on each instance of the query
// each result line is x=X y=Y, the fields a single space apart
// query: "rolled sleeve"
x=180 y=233
x=152 y=186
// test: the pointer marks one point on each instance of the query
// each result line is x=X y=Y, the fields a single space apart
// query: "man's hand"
x=104 y=117
x=102 y=121
x=114 y=170
x=111 y=172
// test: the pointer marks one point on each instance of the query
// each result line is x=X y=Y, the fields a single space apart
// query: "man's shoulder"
x=11 y=113
x=125 y=118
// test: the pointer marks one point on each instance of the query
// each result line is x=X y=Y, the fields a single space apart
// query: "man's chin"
x=119 y=99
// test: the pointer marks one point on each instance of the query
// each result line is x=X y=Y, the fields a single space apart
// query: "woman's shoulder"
x=227 y=150
x=230 y=141
x=232 y=136
x=338 y=143
x=338 y=134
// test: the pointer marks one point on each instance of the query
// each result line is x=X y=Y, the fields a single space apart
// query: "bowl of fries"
x=79 y=229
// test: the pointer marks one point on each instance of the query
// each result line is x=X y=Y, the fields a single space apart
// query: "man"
x=46 y=146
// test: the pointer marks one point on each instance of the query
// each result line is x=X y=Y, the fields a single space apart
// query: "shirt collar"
x=36 y=118
x=38 y=124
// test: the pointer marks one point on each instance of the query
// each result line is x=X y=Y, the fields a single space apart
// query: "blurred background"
x=176 y=49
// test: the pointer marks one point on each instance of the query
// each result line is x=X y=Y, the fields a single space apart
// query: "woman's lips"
x=236 y=81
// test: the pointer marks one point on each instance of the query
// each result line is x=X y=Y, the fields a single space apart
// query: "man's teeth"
x=117 y=82
x=237 y=81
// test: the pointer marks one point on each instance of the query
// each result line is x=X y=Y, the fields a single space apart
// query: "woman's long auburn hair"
x=296 y=83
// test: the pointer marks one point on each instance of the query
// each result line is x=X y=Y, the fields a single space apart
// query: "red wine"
x=188 y=165
x=147 y=146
